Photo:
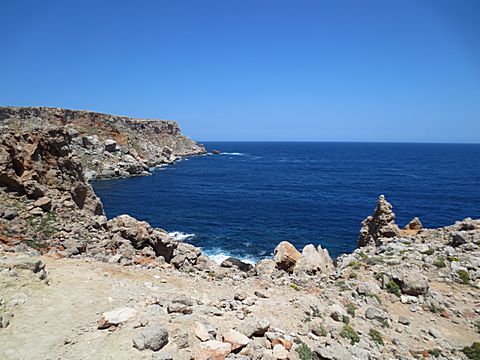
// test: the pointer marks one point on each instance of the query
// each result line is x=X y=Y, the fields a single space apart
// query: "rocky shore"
x=76 y=285
x=108 y=146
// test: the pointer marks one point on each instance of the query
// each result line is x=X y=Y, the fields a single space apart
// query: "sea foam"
x=181 y=236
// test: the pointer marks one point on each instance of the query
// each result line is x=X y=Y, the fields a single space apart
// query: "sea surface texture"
x=245 y=201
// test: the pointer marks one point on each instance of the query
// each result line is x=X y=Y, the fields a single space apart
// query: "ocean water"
x=245 y=201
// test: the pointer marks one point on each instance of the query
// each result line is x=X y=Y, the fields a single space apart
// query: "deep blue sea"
x=255 y=194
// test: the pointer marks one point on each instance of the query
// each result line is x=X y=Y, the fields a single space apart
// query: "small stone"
x=44 y=203
x=212 y=350
x=236 y=339
x=287 y=344
x=403 y=320
x=200 y=331
x=279 y=352
x=180 y=304
x=115 y=317
x=153 y=337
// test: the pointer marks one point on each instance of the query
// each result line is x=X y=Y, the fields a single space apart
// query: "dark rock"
x=153 y=337
x=234 y=262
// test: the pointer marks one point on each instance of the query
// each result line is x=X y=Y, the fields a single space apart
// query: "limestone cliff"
x=108 y=146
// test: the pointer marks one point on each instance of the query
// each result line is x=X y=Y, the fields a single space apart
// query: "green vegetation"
x=362 y=255
x=295 y=287
x=435 y=352
x=477 y=326
x=435 y=309
x=376 y=260
x=440 y=262
x=349 y=333
x=428 y=252
x=463 y=275
x=304 y=352
x=321 y=331
x=393 y=288
x=384 y=323
x=452 y=258
x=472 y=352
x=376 y=336
x=351 y=310
x=352 y=275
x=345 y=319
x=355 y=264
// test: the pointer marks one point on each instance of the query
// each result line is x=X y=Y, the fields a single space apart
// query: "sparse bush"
x=435 y=352
x=440 y=262
x=345 y=319
x=393 y=288
x=353 y=275
x=355 y=264
x=349 y=333
x=376 y=336
x=472 y=352
x=452 y=258
x=362 y=255
x=295 y=287
x=477 y=326
x=376 y=260
x=428 y=252
x=304 y=352
x=463 y=275
x=351 y=310
x=321 y=331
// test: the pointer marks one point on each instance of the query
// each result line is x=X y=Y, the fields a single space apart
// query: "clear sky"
x=337 y=70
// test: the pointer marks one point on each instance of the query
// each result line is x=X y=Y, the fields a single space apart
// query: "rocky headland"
x=76 y=285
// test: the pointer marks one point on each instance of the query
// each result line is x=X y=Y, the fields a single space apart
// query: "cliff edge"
x=108 y=146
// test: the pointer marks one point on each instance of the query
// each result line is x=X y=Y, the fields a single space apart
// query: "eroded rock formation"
x=380 y=225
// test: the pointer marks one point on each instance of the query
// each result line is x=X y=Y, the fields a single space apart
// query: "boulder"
x=215 y=152
x=90 y=141
x=115 y=317
x=212 y=350
x=236 y=339
x=180 y=304
x=153 y=337
x=237 y=263
x=286 y=256
x=313 y=261
x=110 y=145
x=414 y=224
x=45 y=203
x=254 y=327
x=200 y=331
x=279 y=352
x=265 y=267
x=379 y=226
x=411 y=282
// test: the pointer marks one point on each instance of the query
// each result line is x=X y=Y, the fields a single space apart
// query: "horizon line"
x=341 y=142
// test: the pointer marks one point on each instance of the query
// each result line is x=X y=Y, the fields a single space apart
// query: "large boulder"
x=378 y=226
x=236 y=339
x=286 y=256
x=411 y=282
x=313 y=261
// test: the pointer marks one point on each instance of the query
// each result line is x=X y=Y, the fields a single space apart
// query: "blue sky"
x=343 y=70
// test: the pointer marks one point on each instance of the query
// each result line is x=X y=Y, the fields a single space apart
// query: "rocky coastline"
x=84 y=286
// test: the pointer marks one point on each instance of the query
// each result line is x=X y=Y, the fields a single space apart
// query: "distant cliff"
x=109 y=146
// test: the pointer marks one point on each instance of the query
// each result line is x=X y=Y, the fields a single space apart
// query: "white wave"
x=233 y=153
x=219 y=256
x=181 y=236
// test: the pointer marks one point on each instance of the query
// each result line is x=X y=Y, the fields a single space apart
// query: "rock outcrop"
x=108 y=146
x=380 y=225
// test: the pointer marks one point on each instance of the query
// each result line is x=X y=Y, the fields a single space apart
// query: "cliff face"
x=109 y=146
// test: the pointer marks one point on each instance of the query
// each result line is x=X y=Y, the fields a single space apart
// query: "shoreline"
x=119 y=288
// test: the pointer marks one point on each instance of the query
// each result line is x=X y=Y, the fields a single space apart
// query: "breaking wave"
x=181 y=236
